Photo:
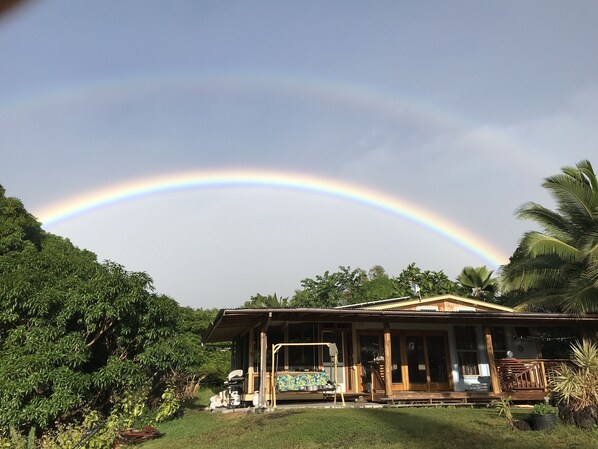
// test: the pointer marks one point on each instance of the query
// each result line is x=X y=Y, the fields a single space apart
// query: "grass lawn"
x=414 y=428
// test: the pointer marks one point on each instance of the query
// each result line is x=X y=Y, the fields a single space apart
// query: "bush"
x=577 y=386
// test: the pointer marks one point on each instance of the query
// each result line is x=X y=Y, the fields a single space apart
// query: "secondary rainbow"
x=275 y=180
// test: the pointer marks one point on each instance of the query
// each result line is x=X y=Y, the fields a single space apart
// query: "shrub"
x=576 y=386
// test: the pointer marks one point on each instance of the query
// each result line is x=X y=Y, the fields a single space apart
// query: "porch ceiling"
x=230 y=323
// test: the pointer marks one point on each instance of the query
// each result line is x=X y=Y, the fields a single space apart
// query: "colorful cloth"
x=301 y=382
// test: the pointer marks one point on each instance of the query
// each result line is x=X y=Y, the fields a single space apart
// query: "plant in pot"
x=543 y=416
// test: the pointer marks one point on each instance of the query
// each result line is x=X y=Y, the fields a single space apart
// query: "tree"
x=483 y=286
x=355 y=286
x=259 y=301
x=429 y=283
x=76 y=333
x=558 y=267
x=331 y=289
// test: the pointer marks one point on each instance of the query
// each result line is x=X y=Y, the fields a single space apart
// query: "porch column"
x=492 y=362
x=356 y=379
x=263 y=360
x=250 y=360
x=387 y=361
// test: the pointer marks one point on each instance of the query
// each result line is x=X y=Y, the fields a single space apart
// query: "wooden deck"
x=457 y=397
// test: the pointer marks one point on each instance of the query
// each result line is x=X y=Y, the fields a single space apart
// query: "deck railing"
x=527 y=374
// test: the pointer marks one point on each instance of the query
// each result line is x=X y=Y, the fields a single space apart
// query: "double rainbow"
x=393 y=205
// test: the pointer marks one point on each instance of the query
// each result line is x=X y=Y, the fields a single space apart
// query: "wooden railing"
x=526 y=374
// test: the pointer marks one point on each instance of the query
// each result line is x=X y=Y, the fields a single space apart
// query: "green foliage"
x=577 y=386
x=259 y=301
x=168 y=407
x=76 y=333
x=348 y=286
x=480 y=281
x=558 y=267
x=542 y=408
x=503 y=406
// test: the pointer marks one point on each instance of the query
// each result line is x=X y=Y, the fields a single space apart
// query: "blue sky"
x=461 y=108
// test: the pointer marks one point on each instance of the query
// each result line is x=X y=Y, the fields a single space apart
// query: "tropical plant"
x=480 y=281
x=558 y=267
x=577 y=386
x=260 y=301
x=503 y=406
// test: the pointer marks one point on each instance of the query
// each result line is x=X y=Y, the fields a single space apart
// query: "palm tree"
x=559 y=266
x=483 y=286
x=259 y=301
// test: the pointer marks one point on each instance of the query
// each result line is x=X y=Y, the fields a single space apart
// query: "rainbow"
x=107 y=196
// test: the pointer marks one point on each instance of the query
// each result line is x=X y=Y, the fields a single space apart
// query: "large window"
x=275 y=335
x=302 y=358
x=499 y=342
x=467 y=350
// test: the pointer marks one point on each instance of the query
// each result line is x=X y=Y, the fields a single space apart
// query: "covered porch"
x=427 y=353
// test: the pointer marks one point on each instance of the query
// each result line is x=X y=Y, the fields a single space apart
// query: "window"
x=465 y=309
x=302 y=358
x=467 y=350
x=275 y=335
x=499 y=342
x=397 y=362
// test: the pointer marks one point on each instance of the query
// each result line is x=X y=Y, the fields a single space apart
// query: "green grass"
x=414 y=428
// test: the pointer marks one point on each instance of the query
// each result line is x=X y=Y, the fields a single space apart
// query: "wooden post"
x=356 y=380
x=492 y=362
x=250 y=360
x=387 y=362
x=263 y=360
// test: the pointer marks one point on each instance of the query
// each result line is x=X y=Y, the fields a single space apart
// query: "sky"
x=456 y=111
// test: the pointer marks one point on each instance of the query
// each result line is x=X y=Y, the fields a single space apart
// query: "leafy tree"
x=331 y=289
x=483 y=286
x=558 y=267
x=355 y=286
x=429 y=283
x=76 y=333
x=378 y=285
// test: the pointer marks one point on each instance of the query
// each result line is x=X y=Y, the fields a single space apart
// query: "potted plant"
x=543 y=416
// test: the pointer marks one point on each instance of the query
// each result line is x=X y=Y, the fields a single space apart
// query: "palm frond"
x=551 y=221
x=536 y=243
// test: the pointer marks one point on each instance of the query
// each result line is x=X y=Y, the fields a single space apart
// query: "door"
x=370 y=347
x=427 y=362
x=328 y=363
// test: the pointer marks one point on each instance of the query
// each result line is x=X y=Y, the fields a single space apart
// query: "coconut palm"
x=559 y=266
x=483 y=286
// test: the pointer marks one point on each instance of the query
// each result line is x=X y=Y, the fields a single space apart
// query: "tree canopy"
x=76 y=333
x=353 y=286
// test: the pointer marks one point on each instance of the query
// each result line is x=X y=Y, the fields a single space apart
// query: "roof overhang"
x=230 y=323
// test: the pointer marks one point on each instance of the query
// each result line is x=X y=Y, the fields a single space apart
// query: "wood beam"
x=250 y=361
x=356 y=381
x=387 y=361
x=491 y=361
x=263 y=360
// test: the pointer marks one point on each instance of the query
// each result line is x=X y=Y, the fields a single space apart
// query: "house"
x=444 y=348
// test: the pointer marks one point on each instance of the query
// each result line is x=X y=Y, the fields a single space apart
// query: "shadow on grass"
x=440 y=428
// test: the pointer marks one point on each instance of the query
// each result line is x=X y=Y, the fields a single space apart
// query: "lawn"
x=413 y=428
